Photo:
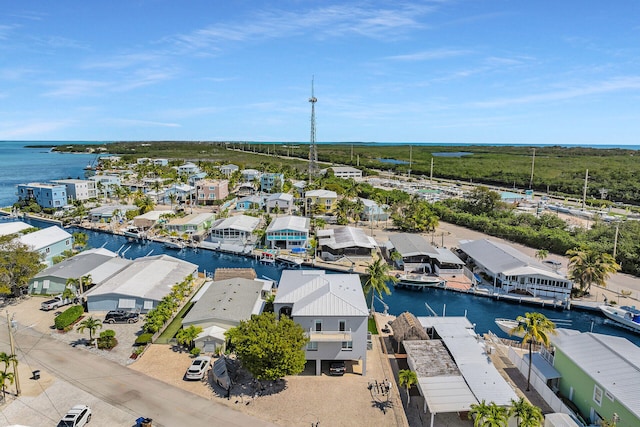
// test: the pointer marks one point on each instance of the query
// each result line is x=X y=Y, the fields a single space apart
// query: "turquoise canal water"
x=479 y=310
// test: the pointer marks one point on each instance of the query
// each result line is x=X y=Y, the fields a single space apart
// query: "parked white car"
x=77 y=416
x=198 y=368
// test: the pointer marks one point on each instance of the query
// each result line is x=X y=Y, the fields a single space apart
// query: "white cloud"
x=32 y=129
x=613 y=85
x=427 y=55
x=136 y=123
x=74 y=88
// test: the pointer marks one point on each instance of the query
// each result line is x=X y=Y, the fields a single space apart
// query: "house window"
x=312 y=346
x=67 y=242
x=342 y=326
x=147 y=305
x=597 y=395
x=126 y=303
x=45 y=284
x=347 y=345
x=318 y=325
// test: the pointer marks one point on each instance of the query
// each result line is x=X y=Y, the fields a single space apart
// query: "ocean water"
x=20 y=165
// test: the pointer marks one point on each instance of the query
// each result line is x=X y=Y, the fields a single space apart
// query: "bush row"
x=68 y=317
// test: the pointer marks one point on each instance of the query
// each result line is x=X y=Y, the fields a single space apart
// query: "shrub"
x=143 y=339
x=195 y=352
x=68 y=317
x=107 y=339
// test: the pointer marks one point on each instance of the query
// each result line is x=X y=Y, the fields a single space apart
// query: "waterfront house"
x=47 y=196
x=183 y=192
x=599 y=374
x=513 y=271
x=287 y=232
x=105 y=184
x=282 y=201
x=194 y=225
x=141 y=285
x=271 y=182
x=99 y=264
x=196 y=177
x=78 y=189
x=298 y=188
x=349 y=242
x=235 y=230
x=228 y=170
x=373 y=211
x=149 y=219
x=208 y=191
x=48 y=242
x=107 y=213
x=344 y=172
x=326 y=199
x=155 y=162
x=331 y=308
x=250 y=175
x=187 y=169
x=222 y=305
x=419 y=256
x=250 y=203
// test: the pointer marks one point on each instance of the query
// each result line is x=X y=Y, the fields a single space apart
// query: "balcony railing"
x=329 y=336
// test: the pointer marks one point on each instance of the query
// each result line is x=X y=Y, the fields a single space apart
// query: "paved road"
x=124 y=388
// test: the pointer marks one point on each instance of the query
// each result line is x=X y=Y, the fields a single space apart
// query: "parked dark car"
x=121 y=316
x=337 y=368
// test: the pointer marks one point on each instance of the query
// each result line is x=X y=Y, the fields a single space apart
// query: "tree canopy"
x=269 y=348
x=18 y=264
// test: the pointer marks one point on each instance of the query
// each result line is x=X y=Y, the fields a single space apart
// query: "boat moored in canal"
x=625 y=316
x=419 y=281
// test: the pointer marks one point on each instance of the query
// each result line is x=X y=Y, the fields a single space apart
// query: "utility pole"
x=584 y=191
x=431 y=173
x=615 y=241
x=13 y=353
x=313 y=151
x=533 y=162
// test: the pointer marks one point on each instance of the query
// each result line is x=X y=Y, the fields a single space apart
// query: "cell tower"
x=313 y=151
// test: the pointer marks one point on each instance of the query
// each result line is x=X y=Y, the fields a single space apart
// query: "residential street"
x=126 y=389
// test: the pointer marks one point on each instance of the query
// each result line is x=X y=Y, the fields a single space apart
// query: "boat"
x=133 y=232
x=290 y=260
x=508 y=325
x=174 y=244
x=268 y=257
x=419 y=281
x=624 y=316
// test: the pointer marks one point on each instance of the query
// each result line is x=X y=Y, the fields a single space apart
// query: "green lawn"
x=174 y=326
x=372 y=326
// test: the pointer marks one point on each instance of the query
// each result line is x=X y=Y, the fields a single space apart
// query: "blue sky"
x=494 y=71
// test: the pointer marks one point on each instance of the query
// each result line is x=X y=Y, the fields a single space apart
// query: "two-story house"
x=208 y=191
x=287 y=232
x=271 y=182
x=326 y=199
x=333 y=311
x=45 y=195
x=78 y=189
x=279 y=203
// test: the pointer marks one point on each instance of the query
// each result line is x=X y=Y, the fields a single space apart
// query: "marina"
x=625 y=316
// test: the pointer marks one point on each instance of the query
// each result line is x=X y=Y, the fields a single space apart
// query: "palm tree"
x=7 y=359
x=497 y=416
x=542 y=254
x=407 y=378
x=478 y=412
x=536 y=328
x=172 y=199
x=6 y=377
x=80 y=239
x=85 y=281
x=92 y=325
x=72 y=281
x=68 y=294
x=396 y=257
x=533 y=417
x=186 y=336
x=379 y=276
x=588 y=266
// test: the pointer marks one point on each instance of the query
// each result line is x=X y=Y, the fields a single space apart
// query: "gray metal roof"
x=408 y=244
x=229 y=301
x=99 y=263
x=500 y=258
x=613 y=362
x=345 y=237
x=150 y=278
x=446 y=256
x=14 y=227
x=470 y=356
x=314 y=293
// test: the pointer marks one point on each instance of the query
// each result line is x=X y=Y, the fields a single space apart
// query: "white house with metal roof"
x=48 y=242
x=141 y=285
x=282 y=201
x=340 y=242
x=344 y=172
x=600 y=374
x=513 y=270
x=333 y=311
x=288 y=232
x=13 y=227
x=222 y=305
x=236 y=229
x=99 y=264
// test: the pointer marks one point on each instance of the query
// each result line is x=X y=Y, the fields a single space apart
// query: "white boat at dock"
x=174 y=244
x=268 y=256
x=419 y=281
x=290 y=260
x=624 y=316
x=508 y=325
x=133 y=232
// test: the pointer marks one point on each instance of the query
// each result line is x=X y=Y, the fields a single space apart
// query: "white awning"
x=446 y=394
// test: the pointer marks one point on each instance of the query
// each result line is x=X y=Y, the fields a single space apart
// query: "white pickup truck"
x=56 y=302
